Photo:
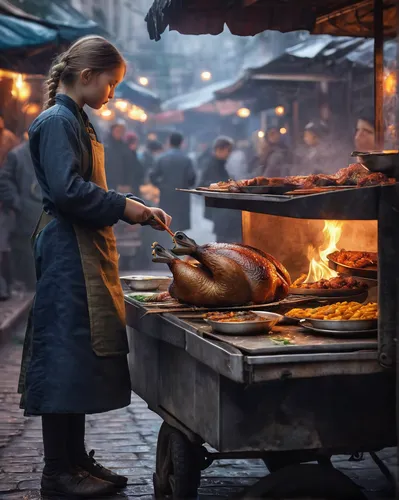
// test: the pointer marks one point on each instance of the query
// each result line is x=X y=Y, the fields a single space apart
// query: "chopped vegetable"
x=282 y=341
x=139 y=298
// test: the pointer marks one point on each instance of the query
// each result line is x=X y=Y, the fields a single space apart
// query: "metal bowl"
x=139 y=283
x=247 y=327
x=386 y=162
x=351 y=325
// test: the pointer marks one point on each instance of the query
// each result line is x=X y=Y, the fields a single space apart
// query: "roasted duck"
x=228 y=274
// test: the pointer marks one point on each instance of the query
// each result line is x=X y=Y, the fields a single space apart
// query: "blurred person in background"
x=172 y=170
x=227 y=223
x=117 y=159
x=153 y=149
x=237 y=163
x=21 y=198
x=8 y=141
x=136 y=172
x=315 y=156
x=275 y=157
x=365 y=131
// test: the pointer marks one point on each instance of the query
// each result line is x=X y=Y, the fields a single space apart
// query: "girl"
x=74 y=359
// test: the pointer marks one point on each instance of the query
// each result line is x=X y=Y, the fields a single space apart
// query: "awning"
x=26 y=46
x=196 y=99
x=249 y=17
x=312 y=60
x=58 y=14
x=138 y=95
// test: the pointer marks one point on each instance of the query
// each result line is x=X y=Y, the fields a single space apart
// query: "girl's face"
x=98 y=89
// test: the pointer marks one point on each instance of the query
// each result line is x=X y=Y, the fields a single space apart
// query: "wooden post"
x=379 y=73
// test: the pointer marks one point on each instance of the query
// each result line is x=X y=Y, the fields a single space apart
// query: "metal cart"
x=286 y=404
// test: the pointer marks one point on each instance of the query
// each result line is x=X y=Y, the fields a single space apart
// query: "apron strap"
x=44 y=219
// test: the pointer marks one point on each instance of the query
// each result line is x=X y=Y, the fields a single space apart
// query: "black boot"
x=78 y=456
x=89 y=464
x=74 y=485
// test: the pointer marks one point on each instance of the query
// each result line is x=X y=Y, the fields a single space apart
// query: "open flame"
x=318 y=262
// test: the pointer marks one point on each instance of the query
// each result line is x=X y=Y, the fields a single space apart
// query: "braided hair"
x=54 y=79
x=90 y=52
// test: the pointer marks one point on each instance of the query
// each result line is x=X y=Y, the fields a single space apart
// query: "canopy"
x=138 y=95
x=58 y=14
x=249 y=17
x=26 y=46
x=195 y=99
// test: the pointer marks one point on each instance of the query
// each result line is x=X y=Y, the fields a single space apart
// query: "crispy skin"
x=268 y=278
x=229 y=275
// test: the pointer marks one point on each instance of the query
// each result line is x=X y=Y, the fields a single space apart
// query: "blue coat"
x=60 y=372
x=174 y=170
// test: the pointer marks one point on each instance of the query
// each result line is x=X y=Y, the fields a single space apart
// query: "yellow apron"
x=99 y=258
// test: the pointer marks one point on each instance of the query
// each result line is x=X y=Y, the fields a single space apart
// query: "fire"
x=318 y=262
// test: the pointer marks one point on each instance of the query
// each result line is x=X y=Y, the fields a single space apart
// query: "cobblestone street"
x=125 y=440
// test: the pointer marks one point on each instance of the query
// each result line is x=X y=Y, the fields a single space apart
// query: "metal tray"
x=339 y=333
x=139 y=283
x=246 y=327
x=363 y=272
x=342 y=325
x=321 y=292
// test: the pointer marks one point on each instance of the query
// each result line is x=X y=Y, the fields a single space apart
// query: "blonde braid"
x=54 y=81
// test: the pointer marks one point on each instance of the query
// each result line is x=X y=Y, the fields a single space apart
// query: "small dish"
x=141 y=283
x=263 y=325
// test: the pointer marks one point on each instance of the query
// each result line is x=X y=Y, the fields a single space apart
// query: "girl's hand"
x=163 y=216
x=136 y=212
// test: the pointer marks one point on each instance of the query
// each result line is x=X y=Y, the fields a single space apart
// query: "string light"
x=279 y=110
x=121 y=105
x=243 y=113
x=206 y=76
x=283 y=131
x=21 y=89
x=390 y=83
x=143 y=80
x=261 y=134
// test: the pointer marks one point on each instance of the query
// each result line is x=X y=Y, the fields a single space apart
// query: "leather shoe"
x=74 y=485
x=90 y=465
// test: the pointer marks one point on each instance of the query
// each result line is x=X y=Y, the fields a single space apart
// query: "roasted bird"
x=228 y=274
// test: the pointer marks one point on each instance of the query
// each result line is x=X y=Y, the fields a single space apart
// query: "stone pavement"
x=125 y=440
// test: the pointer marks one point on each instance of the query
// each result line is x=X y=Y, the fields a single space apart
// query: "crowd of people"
x=153 y=171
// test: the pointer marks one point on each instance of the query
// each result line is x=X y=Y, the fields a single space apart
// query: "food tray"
x=338 y=333
x=246 y=327
x=351 y=325
x=324 y=292
x=369 y=272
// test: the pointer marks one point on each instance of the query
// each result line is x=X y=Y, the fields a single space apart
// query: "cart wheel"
x=178 y=469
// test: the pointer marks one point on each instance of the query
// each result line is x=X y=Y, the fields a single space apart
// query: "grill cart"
x=258 y=397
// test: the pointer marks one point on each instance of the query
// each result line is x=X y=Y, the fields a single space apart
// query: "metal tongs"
x=162 y=224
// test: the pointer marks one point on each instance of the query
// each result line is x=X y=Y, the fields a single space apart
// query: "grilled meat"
x=375 y=179
x=337 y=283
x=229 y=275
x=355 y=259
x=354 y=175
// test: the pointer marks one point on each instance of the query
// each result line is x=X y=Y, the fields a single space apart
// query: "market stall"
x=301 y=392
x=288 y=397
